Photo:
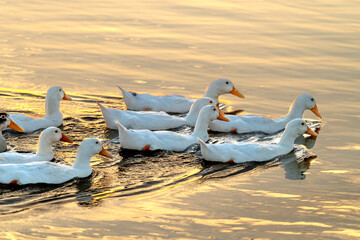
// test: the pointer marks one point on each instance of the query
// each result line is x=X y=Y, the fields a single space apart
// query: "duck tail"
x=106 y=114
x=202 y=144
x=121 y=128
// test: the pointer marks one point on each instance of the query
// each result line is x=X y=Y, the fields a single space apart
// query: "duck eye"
x=60 y=90
x=214 y=109
x=56 y=131
x=97 y=142
x=211 y=101
x=302 y=123
x=312 y=99
x=227 y=82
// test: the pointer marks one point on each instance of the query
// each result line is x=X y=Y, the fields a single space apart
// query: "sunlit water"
x=272 y=51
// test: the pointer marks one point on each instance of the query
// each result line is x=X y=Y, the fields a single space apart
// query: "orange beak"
x=105 y=153
x=315 y=110
x=14 y=126
x=65 y=138
x=66 y=97
x=222 y=115
x=311 y=132
x=236 y=93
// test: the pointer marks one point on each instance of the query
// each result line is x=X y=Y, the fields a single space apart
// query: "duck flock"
x=146 y=126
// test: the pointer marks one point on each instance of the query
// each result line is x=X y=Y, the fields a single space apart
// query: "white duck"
x=47 y=137
x=50 y=172
x=165 y=140
x=53 y=116
x=153 y=120
x=259 y=123
x=6 y=122
x=176 y=103
x=246 y=152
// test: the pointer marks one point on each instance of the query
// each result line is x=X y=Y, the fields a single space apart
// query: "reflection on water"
x=272 y=51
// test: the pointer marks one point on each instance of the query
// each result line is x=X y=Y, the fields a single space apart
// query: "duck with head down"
x=165 y=140
x=153 y=120
x=45 y=152
x=50 y=172
x=6 y=122
x=53 y=116
x=259 y=123
x=246 y=152
x=176 y=103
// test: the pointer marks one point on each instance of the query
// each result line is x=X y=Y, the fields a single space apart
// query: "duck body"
x=48 y=137
x=245 y=152
x=259 y=123
x=153 y=120
x=165 y=140
x=176 y=103
x=53 y=116
x=53 y=173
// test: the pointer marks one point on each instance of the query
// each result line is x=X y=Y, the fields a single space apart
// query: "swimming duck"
x=47 y=137
x=53 y=116
x=165 y=140
x=50 y=172
x=176 y=103
x=245 y=152
x=258 y=123
x=153 y=120
x=6 y=122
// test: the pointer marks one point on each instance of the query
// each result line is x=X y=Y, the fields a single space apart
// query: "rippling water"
x=272 y=51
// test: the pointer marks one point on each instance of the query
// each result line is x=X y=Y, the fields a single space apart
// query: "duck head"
x=196 y=107
x=6 y=122
x=92 y=146
x=298 y=127
x=212 y=113
x=306 y=101
x=57 y=94
x=221 y=86
x=52 y=135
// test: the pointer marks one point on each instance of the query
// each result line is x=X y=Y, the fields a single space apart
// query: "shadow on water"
x=131 y=174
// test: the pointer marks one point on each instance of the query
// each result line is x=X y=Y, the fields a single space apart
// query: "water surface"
x=272 y=51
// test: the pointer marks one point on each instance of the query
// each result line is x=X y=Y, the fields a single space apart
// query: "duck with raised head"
x=50 y=172
x=259 y=123
x=176 y=103
x=53 y=116
x=153 y=120
x=45 y=152
x=248 y=152
x=6 y=122
x=165 y=140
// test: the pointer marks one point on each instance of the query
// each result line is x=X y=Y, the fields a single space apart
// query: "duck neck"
x=52 y=108
x=83 y=159
x=192 y=116
x=296 y=110
x=287 y=140
x=212 y=93
x=201 y=128
x=3 y=146
x=45 y=148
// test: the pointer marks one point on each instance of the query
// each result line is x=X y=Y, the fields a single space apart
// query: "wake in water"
x=129 y=174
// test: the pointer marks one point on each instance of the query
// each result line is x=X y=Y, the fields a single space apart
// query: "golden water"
x=271 y=50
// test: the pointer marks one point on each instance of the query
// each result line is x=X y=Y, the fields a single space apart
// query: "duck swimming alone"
x=153 y=120
x=258 y=123
x=165 y=140
x=246 y=152
x=176 y=103
x=47 y=137
x=53 y=116
x=50 y=172
x=6 y=122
